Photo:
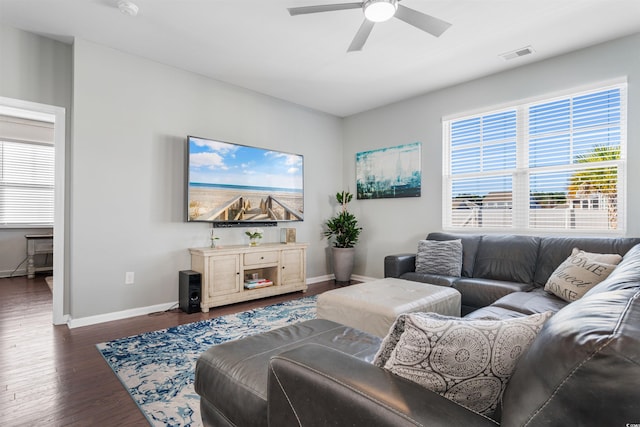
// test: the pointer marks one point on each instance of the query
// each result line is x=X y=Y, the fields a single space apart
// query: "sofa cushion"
x=439 y=257
x=231 y=377
x=532 y=302
x=433 y=279
x=583 y=369
x=483 y=292
x=493 y=312
x=506 y=257
x=625 y=276
x=520 y=304
x=470 y=243
x=317 y=386
x=580 y=272
x=466 y=360
x=554 y=250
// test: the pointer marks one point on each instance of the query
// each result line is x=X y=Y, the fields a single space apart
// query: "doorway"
x=57 y=116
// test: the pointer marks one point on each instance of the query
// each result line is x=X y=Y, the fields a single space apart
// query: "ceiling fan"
x=379 y=11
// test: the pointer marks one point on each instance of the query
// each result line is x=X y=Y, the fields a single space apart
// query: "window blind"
x=27 y=168
x=549 y=165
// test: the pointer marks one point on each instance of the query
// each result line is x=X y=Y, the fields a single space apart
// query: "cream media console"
x=224 y=270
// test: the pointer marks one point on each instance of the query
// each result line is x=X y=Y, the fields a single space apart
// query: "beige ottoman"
x=373 y=306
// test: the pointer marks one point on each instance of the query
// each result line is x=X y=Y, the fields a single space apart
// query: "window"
x=556 y=164
x=26 y=173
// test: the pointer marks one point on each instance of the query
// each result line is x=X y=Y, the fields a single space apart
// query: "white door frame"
x=58 y=114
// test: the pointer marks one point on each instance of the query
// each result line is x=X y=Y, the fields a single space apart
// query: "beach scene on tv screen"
x=231 y=182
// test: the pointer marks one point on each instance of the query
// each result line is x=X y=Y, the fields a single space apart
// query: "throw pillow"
x=468 y=361
x=439 y=257
x=580 y=272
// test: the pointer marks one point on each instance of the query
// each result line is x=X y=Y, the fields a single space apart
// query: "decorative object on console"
x=439 y=257
x=255 y=234
x=343 y=228
x=580 y=272
x=254 y=281
x=468 y=361
x=213 y=238
x=389 y=172
x=263 y=283
x=287 y=235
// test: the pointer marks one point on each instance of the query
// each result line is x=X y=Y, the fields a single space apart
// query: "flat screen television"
x=237 y=185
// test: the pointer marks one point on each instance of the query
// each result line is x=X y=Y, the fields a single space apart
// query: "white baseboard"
x=141 y=311
x=318 y=279
x=11 y=273
x=64 y=321
x=363 y=278
x=118 y=315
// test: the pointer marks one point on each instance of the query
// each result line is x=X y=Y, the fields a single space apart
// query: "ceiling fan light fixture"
x=380 y=10
x=128 y=8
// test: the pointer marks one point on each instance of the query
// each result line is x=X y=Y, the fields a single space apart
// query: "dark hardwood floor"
x=54 y=376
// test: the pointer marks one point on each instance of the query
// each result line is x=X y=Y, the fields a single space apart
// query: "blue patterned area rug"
x=157 y=368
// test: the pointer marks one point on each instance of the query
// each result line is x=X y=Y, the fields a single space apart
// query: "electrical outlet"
x=129 y=278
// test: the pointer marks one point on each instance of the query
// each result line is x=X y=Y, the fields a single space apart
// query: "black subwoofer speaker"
x=190 y=291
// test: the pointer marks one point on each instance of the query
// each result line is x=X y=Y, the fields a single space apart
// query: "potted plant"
x=255 y=234
x=343 y=228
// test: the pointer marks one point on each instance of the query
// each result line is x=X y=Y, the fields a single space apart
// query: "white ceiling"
x=256 y=44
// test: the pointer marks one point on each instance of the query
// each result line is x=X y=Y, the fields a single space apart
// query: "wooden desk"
x=38 y=244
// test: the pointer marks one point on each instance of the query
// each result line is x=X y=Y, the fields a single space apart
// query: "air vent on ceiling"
x=517 y=53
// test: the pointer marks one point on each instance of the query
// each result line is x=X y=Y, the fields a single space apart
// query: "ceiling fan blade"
x=430 y=24
x=361 y=36
x=293 y=11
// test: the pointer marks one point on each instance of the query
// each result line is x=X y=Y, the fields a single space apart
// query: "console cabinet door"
x=224 y=275
x=293 y=267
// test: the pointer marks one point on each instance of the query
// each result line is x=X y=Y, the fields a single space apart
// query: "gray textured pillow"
x=580 y=272
x=468 y=361
x=439 y=257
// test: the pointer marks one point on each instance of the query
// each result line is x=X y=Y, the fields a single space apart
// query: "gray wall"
x=395 y=226
x=125 y=170
x=35 y=69
x=131 y=117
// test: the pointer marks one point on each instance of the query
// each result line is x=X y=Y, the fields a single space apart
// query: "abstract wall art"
x=389 y=172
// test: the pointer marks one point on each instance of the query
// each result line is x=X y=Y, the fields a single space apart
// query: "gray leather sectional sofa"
x=494 y=266
x=582 y=369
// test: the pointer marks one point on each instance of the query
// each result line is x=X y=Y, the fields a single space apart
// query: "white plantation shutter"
x=26 y=172
x=556 y=164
